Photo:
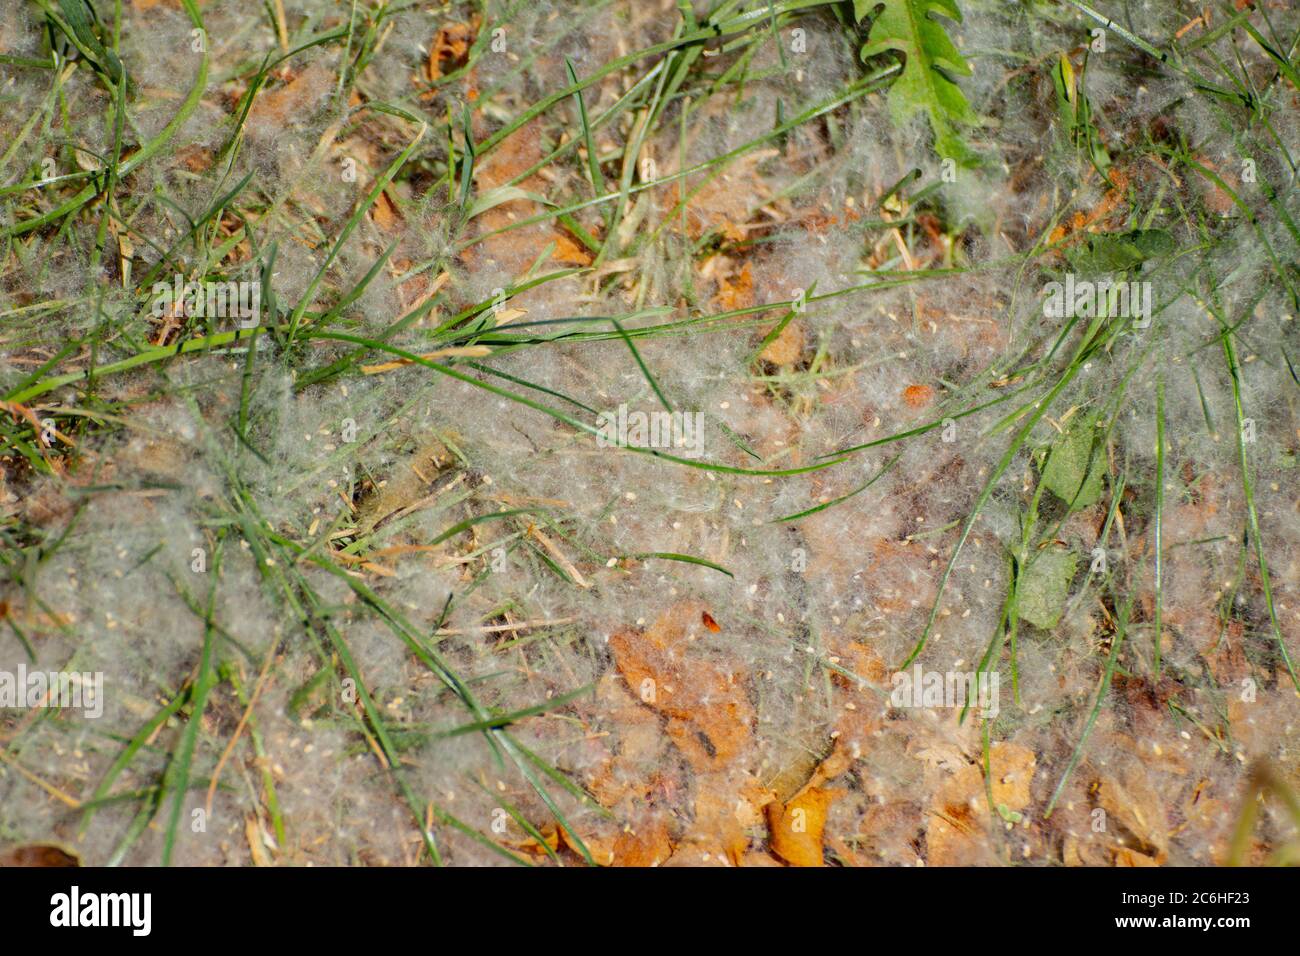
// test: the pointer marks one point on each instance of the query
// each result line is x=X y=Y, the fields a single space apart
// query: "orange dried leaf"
x=709 y=715
x=385 y=213
x=450 y=48
x=568 y=252
x=293 y=101
x=796 y=829
x=786 y=348
x=918 y=396
x=646 y=845
x=960 y=812
x=736 y=291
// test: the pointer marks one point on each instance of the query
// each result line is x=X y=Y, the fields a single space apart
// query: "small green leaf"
x=1011 y=816
x=1043 y=586
x=1104 y=254
x=1074 y=468
x=1153 y=243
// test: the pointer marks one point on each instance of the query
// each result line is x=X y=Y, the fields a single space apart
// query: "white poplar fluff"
x=299 y=531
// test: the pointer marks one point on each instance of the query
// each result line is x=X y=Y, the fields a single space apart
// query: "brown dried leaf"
x=38 y=855
x=796 y=829
x=569 y=253
x=918 y=396
x=736 y=291
x=646 y=845
x=384 y=213
x=550 y=836
x=727 y=806
x=1133 y=803
x=960 y=811
x=450 y=48
x=296 y=100
x=709 y=716
x=786 y=348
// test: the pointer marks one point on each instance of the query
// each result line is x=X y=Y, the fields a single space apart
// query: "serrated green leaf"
x=1074 y=469
x=910 y=27
x=1043 y=586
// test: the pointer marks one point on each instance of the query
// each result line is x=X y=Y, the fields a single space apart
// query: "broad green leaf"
x=1043 y=586
x=931 y=59
x=1153 y=243
x=1074 y=467
x=1119 y=252
x=1103 y=254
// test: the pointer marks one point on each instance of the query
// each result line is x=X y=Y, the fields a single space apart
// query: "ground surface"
x=364 y=578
